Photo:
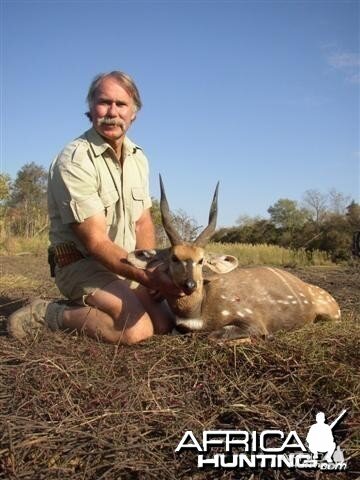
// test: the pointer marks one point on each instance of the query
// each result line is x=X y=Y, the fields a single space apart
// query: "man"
x=320 y=438
x=99 y=209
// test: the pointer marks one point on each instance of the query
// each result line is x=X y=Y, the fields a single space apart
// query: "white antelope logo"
x=239 y=304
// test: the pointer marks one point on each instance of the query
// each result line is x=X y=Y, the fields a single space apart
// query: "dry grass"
x=16 y=281
x=247 y=254
x=75 y=408
x=17 y=245
x=264 y=254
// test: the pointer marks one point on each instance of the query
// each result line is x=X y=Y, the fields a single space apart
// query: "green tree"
x=286 y=214
x=288 y=218
x=30 y=185
x=353 y=215
x=28 y=200
x=5 y=185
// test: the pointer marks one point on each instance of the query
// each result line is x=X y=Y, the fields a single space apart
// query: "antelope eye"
x=201 y=261
x=175 y=259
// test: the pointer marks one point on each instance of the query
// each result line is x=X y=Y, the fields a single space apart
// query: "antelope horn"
x=167 y=221
x=206 y=234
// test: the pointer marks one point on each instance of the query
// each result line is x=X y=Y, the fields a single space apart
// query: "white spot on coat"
x=225 y=313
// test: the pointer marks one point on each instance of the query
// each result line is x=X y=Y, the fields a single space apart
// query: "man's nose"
x=112 y=110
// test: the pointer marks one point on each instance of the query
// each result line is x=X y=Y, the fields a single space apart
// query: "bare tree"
x=338 y=202
x=316 y=203
x=248 y=221
x=184 y=224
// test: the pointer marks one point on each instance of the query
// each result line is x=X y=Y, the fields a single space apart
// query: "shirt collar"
x=99 y=145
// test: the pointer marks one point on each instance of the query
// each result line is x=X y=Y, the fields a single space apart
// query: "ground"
x=74 y=408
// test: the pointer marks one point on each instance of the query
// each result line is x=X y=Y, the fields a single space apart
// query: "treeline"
x=324 y=222
x=320 y=222
x=23 y=207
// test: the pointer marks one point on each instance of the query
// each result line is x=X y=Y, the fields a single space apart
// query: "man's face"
x=112 y=111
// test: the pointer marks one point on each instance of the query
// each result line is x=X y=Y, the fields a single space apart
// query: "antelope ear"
x=221 y=263
x=147 y=258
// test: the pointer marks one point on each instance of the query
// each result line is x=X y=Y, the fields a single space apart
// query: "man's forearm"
x=92 y=234
x=114 y=258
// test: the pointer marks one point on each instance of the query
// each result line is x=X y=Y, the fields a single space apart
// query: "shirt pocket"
x=138 y=195
x=109 y=199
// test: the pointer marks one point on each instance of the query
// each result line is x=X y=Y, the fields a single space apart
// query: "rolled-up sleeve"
x=74 y=185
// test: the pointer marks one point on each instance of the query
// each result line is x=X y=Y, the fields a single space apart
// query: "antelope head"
x=186 y=260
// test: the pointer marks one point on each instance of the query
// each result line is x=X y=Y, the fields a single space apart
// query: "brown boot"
x=30 y=319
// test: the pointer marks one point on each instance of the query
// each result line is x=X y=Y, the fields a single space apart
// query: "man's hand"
x=160 y=283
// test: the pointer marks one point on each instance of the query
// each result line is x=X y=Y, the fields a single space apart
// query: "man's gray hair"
x=124 y=80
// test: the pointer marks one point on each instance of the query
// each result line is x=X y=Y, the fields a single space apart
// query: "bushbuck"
x=239 y=304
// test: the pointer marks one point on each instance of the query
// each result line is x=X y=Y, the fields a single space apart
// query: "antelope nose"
x=189 y=286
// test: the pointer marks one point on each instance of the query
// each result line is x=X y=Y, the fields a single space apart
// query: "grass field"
x=74 y=408
x=247 y=254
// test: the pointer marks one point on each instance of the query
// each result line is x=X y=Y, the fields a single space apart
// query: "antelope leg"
x=230 y=332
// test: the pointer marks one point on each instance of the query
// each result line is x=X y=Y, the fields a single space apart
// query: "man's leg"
x=116 y=314
x=329 y=453
x=161 y=316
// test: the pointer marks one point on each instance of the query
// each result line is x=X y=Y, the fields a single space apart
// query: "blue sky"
x=261 y=95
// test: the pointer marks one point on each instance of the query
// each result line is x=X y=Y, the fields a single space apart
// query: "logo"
x=269 y=448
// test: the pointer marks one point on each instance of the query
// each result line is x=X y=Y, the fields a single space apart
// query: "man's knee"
x=130 y=336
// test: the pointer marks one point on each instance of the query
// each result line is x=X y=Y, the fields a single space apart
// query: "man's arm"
x=92 y=234
x=145 y=231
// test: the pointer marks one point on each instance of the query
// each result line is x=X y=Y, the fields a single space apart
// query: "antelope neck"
x=188 y=306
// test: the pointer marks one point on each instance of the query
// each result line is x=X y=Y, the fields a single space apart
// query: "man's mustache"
x=111 y=121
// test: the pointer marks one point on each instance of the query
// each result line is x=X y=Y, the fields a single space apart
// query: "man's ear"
x=148 y=258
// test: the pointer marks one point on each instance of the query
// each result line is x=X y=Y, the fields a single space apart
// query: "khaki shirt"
x=86 y=179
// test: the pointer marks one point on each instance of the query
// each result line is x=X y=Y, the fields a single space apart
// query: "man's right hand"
x=159 y=281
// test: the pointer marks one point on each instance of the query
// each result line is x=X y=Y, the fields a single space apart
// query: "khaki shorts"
x=82 y=278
